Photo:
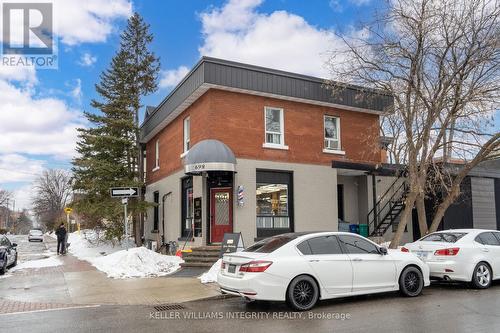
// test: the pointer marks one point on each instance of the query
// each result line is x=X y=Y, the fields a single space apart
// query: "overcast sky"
x=41 y=109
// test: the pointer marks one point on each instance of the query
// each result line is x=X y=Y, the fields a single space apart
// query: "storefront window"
x=187 y=207
x=156 y=210
x=273 y=203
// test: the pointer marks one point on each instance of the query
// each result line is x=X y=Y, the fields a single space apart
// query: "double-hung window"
x=157 y=155
x=332 y=133
x=274 y=132
x=187 y=134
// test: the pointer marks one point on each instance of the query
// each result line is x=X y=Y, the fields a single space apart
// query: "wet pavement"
x=441 y=308
x=79 y=283
x=29 y=250
x=60 y=300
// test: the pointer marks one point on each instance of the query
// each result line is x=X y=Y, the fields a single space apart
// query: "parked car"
x=469 y=255
x=302 y=268
x=35 y=234
x=8 y=254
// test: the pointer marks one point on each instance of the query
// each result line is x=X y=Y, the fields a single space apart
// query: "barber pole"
x=240 y=195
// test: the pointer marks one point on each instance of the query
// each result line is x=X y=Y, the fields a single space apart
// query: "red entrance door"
x=221 y=213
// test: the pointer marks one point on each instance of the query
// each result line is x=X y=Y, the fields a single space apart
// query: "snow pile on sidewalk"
x=47 y=262
x=136 y=262
x=116 y=261
x=211 y=275
x=51 y=234
x=81 y=248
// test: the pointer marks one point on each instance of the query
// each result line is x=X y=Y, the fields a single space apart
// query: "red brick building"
x=240 y=148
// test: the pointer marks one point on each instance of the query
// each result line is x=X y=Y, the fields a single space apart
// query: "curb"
x=211 y=298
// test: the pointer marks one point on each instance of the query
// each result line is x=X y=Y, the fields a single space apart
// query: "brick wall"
x=238 y=120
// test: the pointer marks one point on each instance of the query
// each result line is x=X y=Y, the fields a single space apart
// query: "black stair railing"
x=387 y=208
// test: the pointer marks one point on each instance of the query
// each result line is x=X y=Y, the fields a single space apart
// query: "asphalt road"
x=28 y=250
x=441 y=308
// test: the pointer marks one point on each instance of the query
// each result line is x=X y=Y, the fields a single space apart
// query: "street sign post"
x=125 y=203
x=124 y=192
x=68 y=211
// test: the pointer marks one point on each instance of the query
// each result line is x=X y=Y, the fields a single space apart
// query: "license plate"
x=421 y=254
x=231 y=269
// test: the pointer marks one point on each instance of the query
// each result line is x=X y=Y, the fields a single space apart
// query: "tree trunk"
x=450 y=198
x=410 y=200
x=422 y=219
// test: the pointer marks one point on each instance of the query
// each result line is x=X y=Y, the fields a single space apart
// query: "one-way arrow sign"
x=125 y=192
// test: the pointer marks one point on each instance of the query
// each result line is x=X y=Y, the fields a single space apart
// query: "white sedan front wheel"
x=411 y=282
x=481 y=278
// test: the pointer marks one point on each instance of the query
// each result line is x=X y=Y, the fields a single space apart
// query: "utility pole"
x=14 y=220
x=8 y=214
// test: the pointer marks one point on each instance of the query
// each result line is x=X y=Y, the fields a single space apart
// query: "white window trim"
x=338 y=151
x=157 y=155
x=333 y=151
x=282 y=130
x=274 y=146
x=186 y=139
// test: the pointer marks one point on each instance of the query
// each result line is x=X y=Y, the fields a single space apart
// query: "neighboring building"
x=240 y=148
x=478 y=205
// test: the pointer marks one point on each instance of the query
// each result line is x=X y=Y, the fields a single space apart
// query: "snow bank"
x=84 y=250
x=116 y=262
x=51 y=234
x=47 y=262
x=211 y=275
x=137 y=262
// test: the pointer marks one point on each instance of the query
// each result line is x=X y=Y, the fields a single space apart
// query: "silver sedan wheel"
x=483 y=275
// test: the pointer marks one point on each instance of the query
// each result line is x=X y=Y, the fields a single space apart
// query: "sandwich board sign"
x=124 y=192
x=232 y=242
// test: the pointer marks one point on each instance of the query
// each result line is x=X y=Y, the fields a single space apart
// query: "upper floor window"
x=274 y=122
x=187 y=134
x=157 y=155
x=332 y=133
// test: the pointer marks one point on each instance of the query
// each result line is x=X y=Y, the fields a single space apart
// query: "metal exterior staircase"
x=388 y=208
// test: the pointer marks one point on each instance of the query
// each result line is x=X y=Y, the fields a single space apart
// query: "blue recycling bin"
x=354 y=228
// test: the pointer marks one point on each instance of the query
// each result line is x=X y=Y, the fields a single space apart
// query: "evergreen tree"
x=108 y=150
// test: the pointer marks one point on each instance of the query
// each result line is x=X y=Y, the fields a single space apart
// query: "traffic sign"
x=68 y=210
x=124 y=192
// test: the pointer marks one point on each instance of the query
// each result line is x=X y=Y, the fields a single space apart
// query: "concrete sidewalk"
x=78 y=282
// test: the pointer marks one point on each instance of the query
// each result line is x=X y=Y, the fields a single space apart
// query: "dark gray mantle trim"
x=223 y=74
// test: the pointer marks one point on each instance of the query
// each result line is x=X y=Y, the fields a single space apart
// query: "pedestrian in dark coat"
x=61 y=239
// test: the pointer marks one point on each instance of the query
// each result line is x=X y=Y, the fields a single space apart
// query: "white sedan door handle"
x=357 y=259
x=485 y=250
x=314 y=260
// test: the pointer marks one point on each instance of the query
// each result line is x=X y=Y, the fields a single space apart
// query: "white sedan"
x=301 y=268
x=470 y=255
x=35 y=234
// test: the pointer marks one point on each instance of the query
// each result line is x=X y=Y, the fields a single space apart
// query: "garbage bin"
x=363 y=230
x=354 y=228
